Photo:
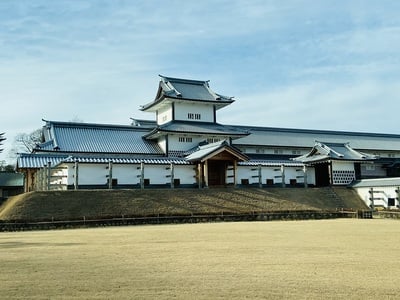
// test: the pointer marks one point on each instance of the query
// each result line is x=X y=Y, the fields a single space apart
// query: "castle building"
x=184 y=146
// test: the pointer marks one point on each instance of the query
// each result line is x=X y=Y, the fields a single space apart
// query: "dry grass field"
x=329 y=259
x=73 y=205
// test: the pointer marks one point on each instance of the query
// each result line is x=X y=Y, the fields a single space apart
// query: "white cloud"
x=299 y=63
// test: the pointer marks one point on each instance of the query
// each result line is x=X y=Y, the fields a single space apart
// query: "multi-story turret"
x=186 y=115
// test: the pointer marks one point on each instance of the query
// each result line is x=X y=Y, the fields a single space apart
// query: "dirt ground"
x=327 y=259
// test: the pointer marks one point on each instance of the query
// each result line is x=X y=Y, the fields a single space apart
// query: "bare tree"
x=4 y=167
x=27 y=142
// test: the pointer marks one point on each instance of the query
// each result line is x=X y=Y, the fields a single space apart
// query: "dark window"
x=146 y=181
x=270 y=182
x=391 y=202
x=114 y=182
x=177 y=182
x=245 y=181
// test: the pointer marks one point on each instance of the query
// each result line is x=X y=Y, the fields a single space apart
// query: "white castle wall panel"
x=175 y=145
x=126 y=174
x=183 y=109
x=157 y=174
x=92 y=174
x=164 y=115
x=383 y=193
x=185 y=173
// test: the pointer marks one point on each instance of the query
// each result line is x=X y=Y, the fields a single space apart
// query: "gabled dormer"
x=186 y=100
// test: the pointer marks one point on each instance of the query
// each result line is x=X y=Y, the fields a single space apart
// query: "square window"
x=245 y=182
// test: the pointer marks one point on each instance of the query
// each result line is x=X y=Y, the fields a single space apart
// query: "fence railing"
x=22 y=225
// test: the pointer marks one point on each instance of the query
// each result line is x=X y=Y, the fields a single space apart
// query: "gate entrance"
x=217 y=172
x=322 y=176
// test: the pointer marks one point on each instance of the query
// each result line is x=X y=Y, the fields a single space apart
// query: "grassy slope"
x=68 y=205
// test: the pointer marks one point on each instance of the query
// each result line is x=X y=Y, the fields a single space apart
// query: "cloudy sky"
x=332 y=64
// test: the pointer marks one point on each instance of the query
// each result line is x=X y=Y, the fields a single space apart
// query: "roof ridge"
x=183 y=80
x=316 y=131
x=94 y=125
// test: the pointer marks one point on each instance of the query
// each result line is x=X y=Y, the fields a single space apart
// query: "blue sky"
x=300 y=64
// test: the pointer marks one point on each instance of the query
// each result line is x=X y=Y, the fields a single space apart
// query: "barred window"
x=185 y=139
x=192 y=116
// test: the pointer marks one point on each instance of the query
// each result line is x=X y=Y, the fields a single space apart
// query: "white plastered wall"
x=164 y=115
x=182 y=110
x=383 y=193
x=274 y=173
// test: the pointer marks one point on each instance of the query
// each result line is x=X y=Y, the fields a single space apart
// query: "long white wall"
x=130 y=174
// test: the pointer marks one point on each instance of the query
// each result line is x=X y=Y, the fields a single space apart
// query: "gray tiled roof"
x=36 y=161
x=208 y=149
x=305 y=138
x=378 y=182
x=96 y=138
x=128 y=160
x=333 y=151
x=186 y=89
x=198 y=128
x=190 y=89
x=271 y=163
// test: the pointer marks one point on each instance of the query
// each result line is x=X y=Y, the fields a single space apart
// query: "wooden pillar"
x=48 y=176
x=142 y=175
x=234 y=173
x=37 y=180
x=76 y=175
x=283 y=175
x=172 y=175
x=206 y=174
x=305 y=176
x=31 y=177
x=43 y=183
x=259 y=176
x=398 y=196
x=330 y=173
x=371 y=193
x=40 y=180
x=200 y=174
x=110 y=166
x=41 y=186
x=28 y=180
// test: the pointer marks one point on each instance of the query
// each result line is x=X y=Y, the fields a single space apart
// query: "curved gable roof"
x=207 y=151
x=198 y=128
x=186 y=90
x=333 y=151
